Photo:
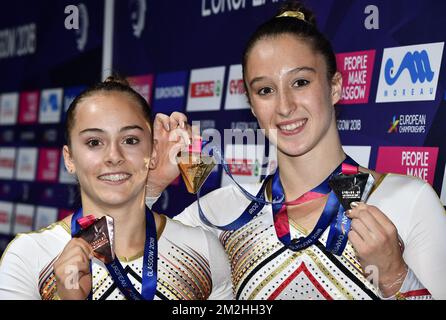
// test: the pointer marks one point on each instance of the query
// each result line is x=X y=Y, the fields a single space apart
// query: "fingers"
x=177 y=126
x=178 y=119
x=361 y=230
x=371 y=231
x=357 y=242
x=77 y=251
x=175 y=120
x=81 y=267
x=161 y=121
x=73 y=281
x=375 y=240
x=383 y=221
x=375 y=220
x=77 y=246
x=180 y=135
x=72 y=265
x=364 y=214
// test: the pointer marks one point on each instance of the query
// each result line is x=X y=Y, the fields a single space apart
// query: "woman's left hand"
x=375 y=240
x=171 y=134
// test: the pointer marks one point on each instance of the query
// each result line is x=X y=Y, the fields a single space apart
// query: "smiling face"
x=289 y=92
x=110 y=150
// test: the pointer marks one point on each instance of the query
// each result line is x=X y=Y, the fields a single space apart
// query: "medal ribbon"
x=333 y=214
x=117 y=272
x=257 y=201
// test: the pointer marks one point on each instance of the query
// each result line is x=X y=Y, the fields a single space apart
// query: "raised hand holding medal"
x=179 y=146
x=171 y=134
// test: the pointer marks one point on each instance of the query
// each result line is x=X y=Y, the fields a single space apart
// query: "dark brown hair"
x=111 y=84
x=303 y=29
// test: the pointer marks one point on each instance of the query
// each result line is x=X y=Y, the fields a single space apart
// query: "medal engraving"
x=349 y=187
x=100 y=236
x=195 y=168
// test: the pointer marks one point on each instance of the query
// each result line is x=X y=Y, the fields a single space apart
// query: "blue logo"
x=170 y=92
x=50 y=104
x=418 y=65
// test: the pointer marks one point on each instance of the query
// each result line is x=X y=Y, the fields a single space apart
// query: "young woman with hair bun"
x=110 y=149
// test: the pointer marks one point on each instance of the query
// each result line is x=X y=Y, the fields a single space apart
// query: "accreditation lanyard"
x=150 y=262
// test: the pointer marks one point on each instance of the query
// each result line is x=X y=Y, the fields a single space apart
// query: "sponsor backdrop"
x=185 y=56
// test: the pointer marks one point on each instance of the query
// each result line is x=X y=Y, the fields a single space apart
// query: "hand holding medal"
x=72 y=270
x=171 y=134
x=371 y=233
x=180 y=151
x=95 y=238
x=92 y=238
x=349 y=185
x=375 y=240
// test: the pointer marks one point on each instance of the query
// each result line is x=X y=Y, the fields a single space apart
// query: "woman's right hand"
x=72 y=270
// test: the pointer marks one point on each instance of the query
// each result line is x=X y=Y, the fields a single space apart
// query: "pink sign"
x=143 y=85
x=356 y=69
x=28 y=107
x=48 y=165
x=415 y=161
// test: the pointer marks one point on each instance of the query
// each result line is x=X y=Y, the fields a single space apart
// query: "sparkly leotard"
x=191 y=266
x=262 y=268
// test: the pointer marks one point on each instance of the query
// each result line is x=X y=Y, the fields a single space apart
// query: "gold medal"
x=195 y=167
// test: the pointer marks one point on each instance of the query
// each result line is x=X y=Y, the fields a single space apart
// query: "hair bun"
x=297 y=6
x=117 y=79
